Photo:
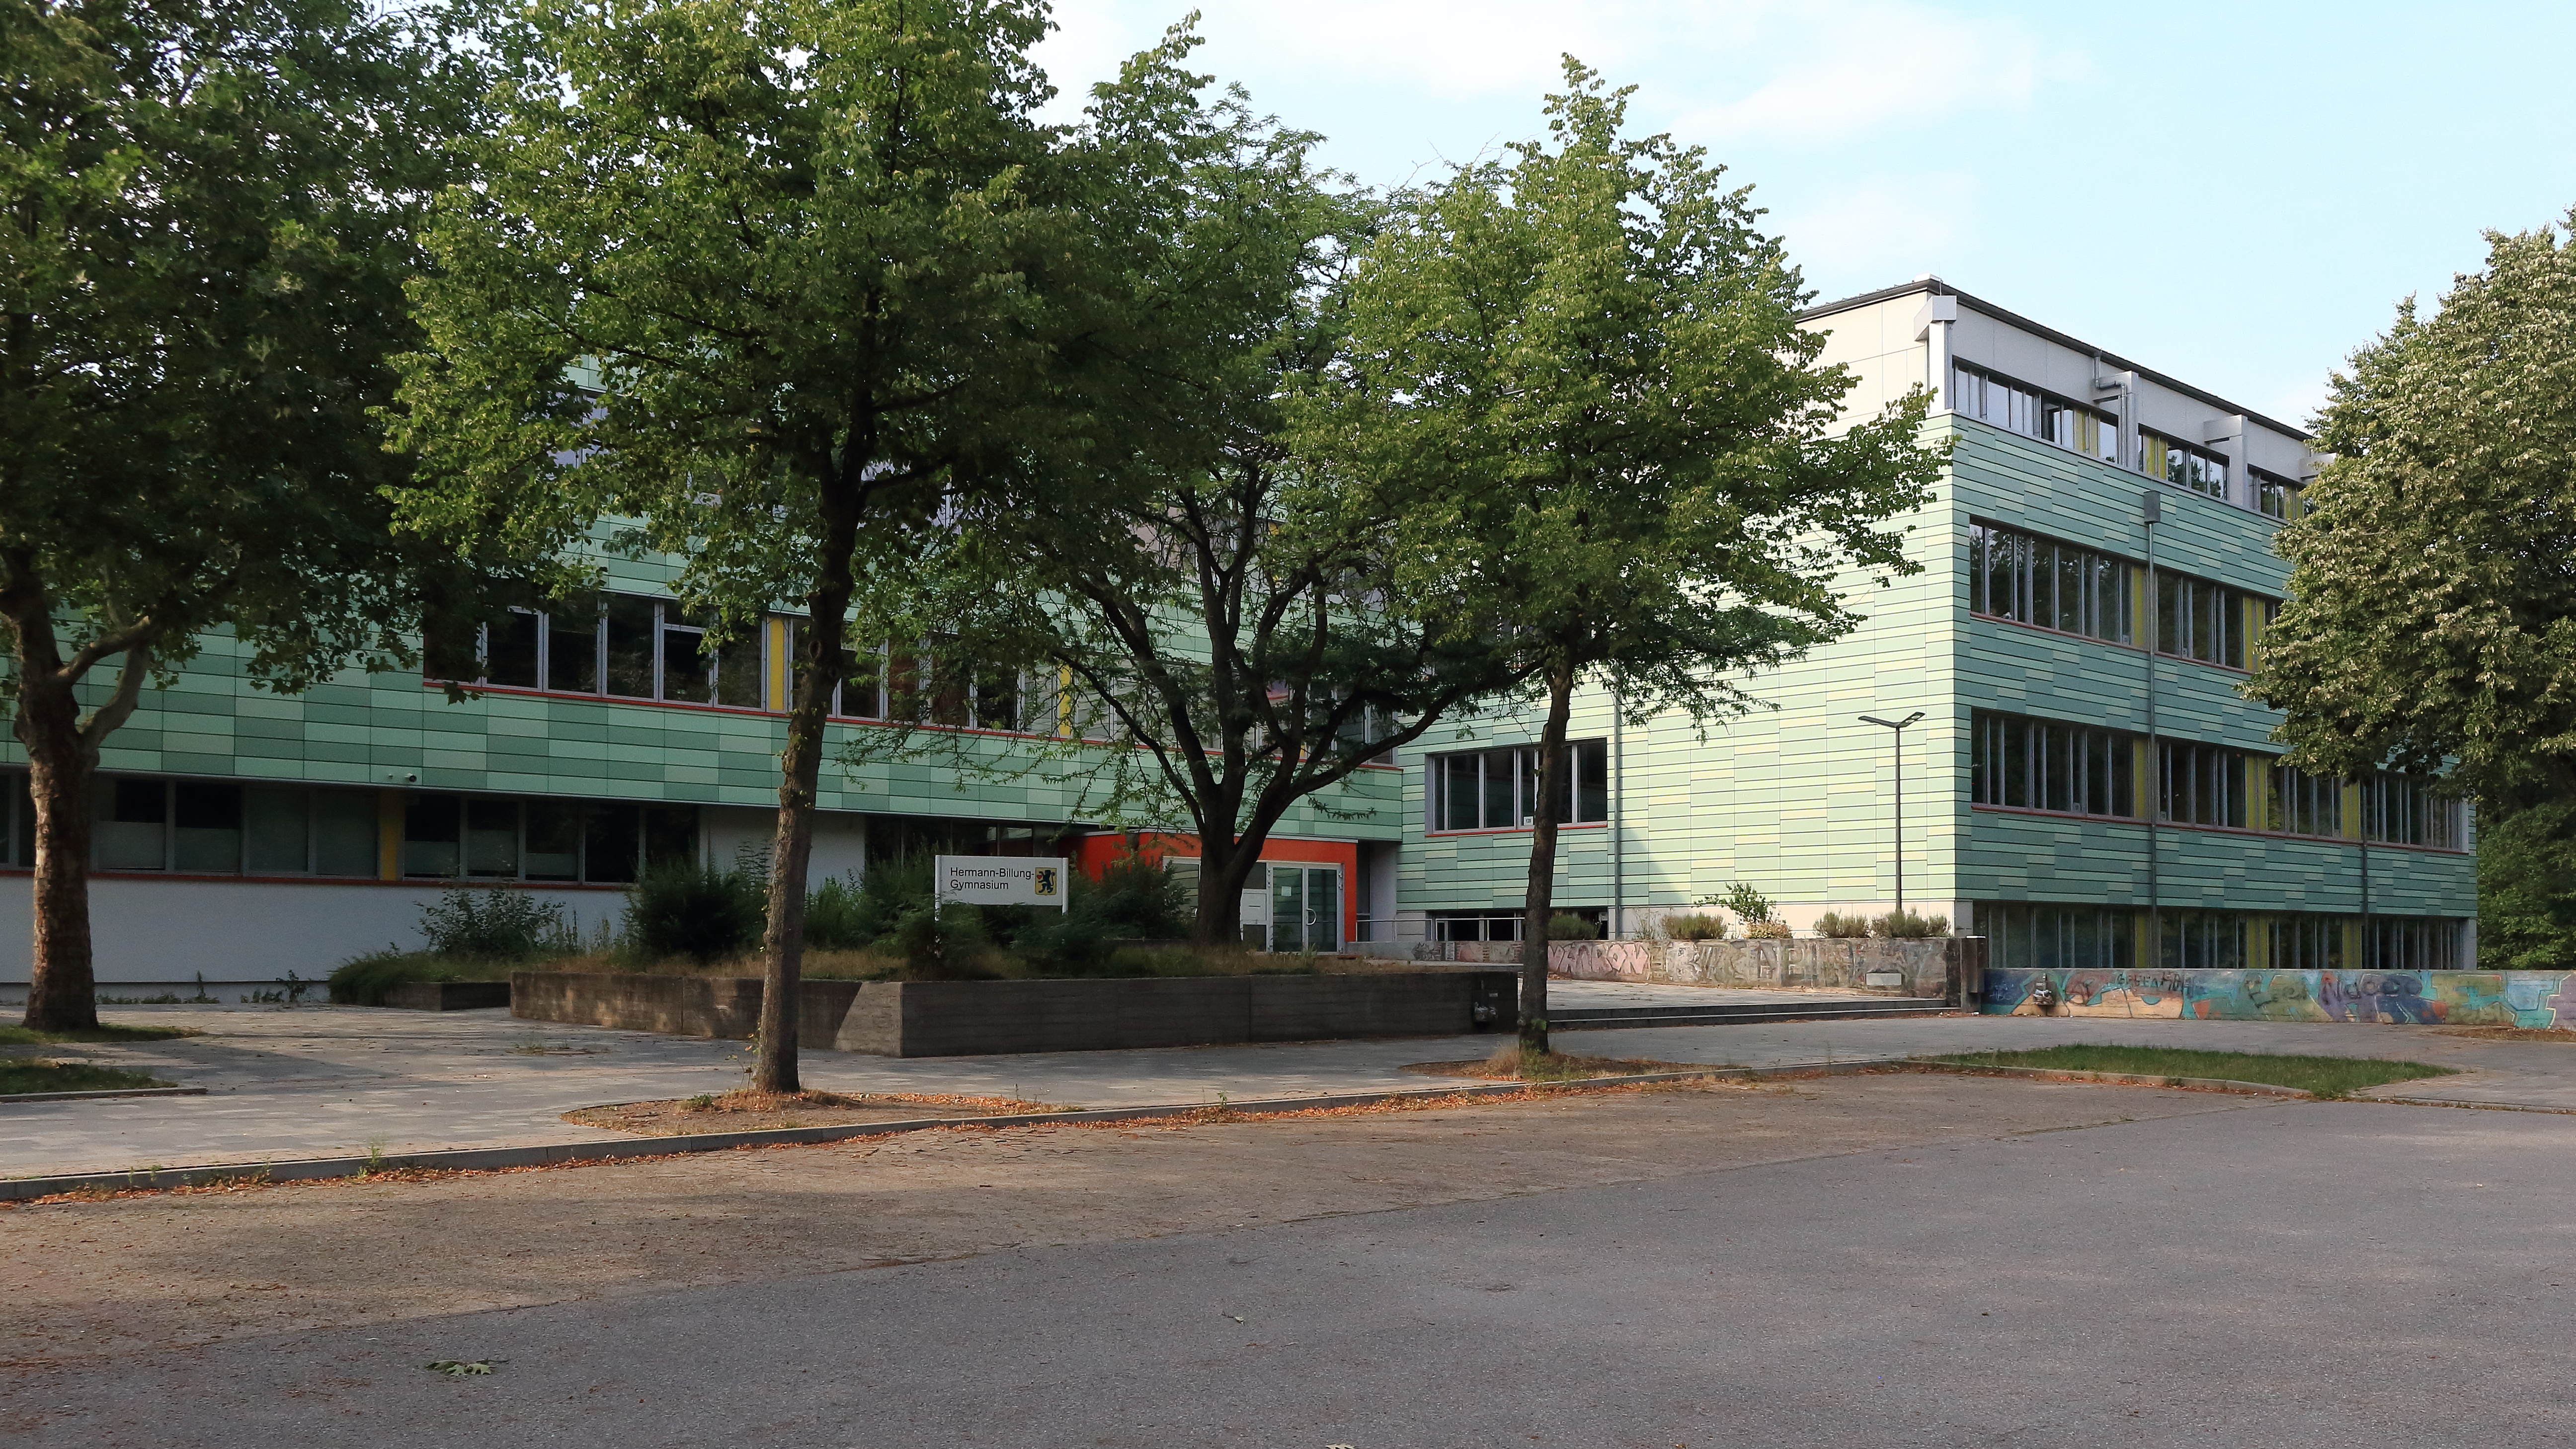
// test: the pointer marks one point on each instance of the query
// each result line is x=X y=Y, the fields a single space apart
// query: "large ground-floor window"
x=2038 y=936
x=233 y=827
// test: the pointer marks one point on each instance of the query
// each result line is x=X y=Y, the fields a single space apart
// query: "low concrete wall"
x=449 y=995
x=2539 y=999
x=1946 y=967
x=977 y=1018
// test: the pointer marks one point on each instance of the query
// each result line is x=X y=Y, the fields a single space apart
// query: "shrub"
x=1767 y=930
x=1841 y=927
x=1566 y=926
x=1695 y=926
x=364 y=980
x=1907 y=926
x=890 y=891
x=946 y=946
x=488 y=923
x=1134 y=899
x=832 y=916
x=1748 y=904
x=682 y=908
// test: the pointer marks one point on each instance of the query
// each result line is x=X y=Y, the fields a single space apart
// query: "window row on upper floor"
x=2082 y=428
x=1497 y=789
x=640 y=648
x=2032 y=579
x=2026 y=763
x=632 y=647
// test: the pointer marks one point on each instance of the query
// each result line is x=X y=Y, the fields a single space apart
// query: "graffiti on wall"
x=2419 y=998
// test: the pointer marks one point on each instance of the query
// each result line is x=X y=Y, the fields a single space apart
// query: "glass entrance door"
x=1305 y=907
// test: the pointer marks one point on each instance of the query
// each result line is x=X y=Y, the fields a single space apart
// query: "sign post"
x=1000 y=880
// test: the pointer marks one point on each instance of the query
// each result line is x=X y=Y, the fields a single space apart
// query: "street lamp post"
x=1897 y=726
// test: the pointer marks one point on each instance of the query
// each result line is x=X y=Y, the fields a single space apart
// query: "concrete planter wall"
x=2539 y=999
x=449 y=995
x=1946 y=967
x=974 y=1018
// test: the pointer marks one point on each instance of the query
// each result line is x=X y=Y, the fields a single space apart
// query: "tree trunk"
x=62 y=994
x=1223 y=868
x=1537 y=906
x=791 y=852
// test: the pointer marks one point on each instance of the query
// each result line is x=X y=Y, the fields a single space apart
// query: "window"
x=2303 y=804
x=2200 y=784
x=2203 y=941
x=2304 y=943
x=291 y=830
x=132 y=825
x=924 y=684
x=646 y=648
x=2197 y=620
x=206 y=826
x=1498 y=789
x=501 y=837
x=2019 y=408
x=2057 y=938
x=2276 y=496
x=2403 y=810
x=2401 y=943
x=627 y=629
x=2182 y=464
x=2034 y=580
x=2037 y=764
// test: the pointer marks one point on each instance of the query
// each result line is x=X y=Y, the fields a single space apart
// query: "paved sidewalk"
x=326 y=1081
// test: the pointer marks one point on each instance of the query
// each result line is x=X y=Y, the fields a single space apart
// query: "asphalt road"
x=2274 y=1274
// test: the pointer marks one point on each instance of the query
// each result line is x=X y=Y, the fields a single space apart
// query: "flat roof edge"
x=1935 y=287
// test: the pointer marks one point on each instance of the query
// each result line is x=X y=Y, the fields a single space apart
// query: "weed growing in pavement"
x=375 y=1157
x=702 y=1102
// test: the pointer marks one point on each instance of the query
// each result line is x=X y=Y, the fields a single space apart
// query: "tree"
x=2527 y=888
x=1225 y=612
x=788 y=284
x=1583 y=375
x=209 y=217
x=2432 y=598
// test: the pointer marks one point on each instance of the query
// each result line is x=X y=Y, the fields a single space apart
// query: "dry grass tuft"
x=748 y=1111
x=1511 y=1062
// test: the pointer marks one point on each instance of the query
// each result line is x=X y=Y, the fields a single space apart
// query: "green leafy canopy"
x=2432 y=608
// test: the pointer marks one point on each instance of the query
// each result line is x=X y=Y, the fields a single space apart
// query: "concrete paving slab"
x=326 y=1081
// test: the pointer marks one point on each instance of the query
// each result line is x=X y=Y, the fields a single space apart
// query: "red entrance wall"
x=1097 y=850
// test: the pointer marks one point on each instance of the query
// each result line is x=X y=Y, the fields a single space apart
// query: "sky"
x=2234 y=194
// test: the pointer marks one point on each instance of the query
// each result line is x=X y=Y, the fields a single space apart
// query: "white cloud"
x=1831 y=71
x=1874 y=231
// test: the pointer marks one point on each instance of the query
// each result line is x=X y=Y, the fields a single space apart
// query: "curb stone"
x=623 y=1148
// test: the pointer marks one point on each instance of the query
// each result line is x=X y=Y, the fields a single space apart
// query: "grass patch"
x=29 y=1036
x=2319 y=1076
x=19 y=1074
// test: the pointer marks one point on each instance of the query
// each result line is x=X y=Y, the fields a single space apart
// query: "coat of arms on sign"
x=1045 y=883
